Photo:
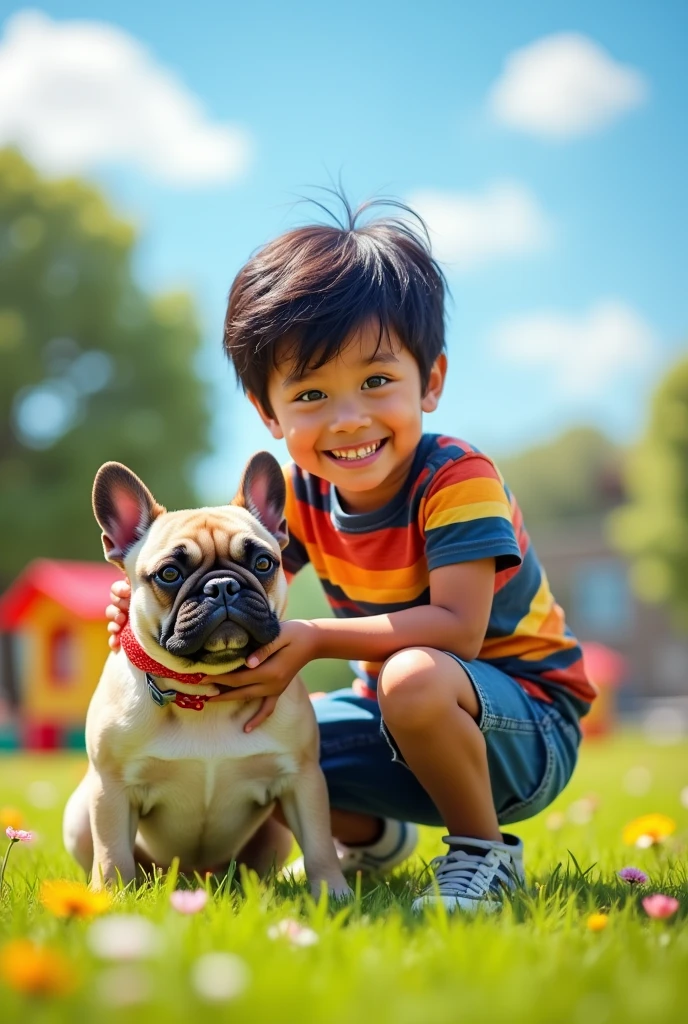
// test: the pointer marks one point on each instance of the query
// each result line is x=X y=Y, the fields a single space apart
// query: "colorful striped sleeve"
x=466 y=515
x=294 y=555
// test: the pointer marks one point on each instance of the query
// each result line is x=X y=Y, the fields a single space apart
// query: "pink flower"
x=634 y=876
x=18 y=835
x=294 y=932
x=660 y=905
x=187 y=901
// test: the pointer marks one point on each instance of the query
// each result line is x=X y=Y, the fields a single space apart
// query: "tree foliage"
x=653 y=527
x=92 y=368
x=576 y=474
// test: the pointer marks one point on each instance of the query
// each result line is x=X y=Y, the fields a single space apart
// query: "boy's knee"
x=409 y=688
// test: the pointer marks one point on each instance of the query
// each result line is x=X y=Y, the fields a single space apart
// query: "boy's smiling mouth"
x=356 y=454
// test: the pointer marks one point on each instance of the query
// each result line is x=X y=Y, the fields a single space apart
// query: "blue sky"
x=571 y=316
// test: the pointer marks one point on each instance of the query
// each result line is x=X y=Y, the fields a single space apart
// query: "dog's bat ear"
x=263 y=494
x=124 y=508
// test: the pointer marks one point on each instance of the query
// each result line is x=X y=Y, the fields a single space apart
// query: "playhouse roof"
x=80 y=587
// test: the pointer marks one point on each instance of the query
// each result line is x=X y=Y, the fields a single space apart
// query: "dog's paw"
x=342 y=893
x=336 y=888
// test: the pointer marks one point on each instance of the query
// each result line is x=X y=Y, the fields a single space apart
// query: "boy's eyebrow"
x=382 y=357
x=378 y=357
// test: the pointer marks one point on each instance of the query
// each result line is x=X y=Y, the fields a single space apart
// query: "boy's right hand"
x=117 y=612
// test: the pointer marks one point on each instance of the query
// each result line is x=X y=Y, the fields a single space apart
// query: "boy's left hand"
x=270 y=669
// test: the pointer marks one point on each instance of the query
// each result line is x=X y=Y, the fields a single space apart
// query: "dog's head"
x=207 y=584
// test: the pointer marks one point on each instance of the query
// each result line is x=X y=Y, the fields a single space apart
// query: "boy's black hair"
x=311 y=288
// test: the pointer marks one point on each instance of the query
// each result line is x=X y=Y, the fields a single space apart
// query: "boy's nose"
x=348 y=418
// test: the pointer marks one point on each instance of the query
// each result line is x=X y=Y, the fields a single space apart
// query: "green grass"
x=535 y=962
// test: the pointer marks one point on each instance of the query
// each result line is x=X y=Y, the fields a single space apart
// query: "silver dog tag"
x=160 y=697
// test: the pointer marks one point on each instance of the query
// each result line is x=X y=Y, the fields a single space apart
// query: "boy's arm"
x=455 y=621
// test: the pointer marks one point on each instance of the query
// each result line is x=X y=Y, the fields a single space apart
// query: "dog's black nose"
x=226 y=587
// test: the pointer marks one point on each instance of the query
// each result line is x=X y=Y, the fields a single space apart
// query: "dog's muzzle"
x=221 y=617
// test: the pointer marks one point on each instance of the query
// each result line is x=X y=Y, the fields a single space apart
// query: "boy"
x=469 y=685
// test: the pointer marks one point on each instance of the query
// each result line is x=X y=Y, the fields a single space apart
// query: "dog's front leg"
x=307 y=810
x=111 y=812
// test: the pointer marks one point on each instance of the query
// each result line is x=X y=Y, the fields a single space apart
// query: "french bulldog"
x=169 y=775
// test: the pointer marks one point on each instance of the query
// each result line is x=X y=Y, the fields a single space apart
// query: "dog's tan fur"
x=167 y=782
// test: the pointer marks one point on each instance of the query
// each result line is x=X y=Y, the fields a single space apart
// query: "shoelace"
x=466 y=873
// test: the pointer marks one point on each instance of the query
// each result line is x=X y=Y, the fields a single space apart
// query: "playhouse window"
x=62 y=657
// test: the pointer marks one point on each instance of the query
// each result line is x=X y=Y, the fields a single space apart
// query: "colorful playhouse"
x=54 y=614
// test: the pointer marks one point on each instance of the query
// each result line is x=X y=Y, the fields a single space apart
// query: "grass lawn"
x=536 y=961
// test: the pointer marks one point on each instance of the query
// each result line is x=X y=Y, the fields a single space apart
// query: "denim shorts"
x=532 y=749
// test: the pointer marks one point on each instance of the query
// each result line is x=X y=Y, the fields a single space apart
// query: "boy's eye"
x=375 y=381
x=310 y=396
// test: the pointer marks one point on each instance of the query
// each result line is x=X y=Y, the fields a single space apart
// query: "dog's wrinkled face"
x=210 y=585
x=207 y=584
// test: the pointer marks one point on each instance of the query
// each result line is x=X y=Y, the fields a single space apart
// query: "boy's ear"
x=270 y=422
x=433 y=391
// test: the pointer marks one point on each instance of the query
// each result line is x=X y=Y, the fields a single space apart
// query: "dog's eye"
x=169 y=574
x=263 y=564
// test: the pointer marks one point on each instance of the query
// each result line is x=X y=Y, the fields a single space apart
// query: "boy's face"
x=356 y=421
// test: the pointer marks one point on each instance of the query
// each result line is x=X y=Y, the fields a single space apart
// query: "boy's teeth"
x=356 y=453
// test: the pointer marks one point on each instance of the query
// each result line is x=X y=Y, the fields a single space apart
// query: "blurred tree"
x=92 y=368
x=577 y=474
x=653 y=527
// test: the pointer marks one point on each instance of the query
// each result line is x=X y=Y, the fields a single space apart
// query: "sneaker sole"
x=457 y=904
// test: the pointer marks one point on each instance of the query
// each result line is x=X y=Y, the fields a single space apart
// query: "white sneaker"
x=474 y=874
x=397 y=842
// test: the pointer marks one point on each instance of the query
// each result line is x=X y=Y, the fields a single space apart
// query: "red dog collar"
x=140 y=659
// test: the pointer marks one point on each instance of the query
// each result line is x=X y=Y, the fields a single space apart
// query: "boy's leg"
x=374 y=798
x=431 y=709
x=528 y=749
x=486 y=752
x=355 y=829
x=273 y=842
x=366 y=781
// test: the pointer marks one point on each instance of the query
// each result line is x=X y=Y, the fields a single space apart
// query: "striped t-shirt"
x=454 y=507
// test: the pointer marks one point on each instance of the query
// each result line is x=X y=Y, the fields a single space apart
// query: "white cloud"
x=79 y=94
x=564 y=85
x=469 y=230
x=587 y=354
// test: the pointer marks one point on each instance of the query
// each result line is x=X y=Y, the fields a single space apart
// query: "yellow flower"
x=35 y=970
x=73 y=899
x=648 y=829
x=10 y=817
x=597 y=922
